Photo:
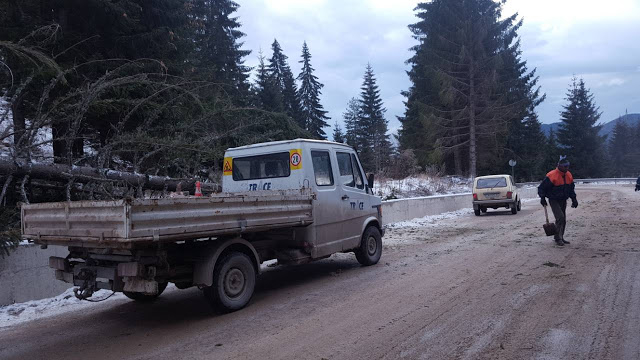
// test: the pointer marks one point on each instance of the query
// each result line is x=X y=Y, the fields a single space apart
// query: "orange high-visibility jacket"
x=558 y=186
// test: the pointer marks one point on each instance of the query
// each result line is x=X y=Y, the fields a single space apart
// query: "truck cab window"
x=346 y=170
x=359 y=179
x=261 y=167
x=322 y=168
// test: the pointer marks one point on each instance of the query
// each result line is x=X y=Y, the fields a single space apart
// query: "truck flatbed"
x=137 y=223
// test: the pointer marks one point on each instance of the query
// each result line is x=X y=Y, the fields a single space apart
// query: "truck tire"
x=476 y=211
x=370 y=248
x=514 y=208
x=140 y=297
x=519 y=205
x=234 y=279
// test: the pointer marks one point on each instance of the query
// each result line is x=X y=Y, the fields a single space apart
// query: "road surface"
x=488 y=287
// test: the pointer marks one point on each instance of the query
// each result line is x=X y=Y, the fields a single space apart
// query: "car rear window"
x=261 y=167
x=491 y=183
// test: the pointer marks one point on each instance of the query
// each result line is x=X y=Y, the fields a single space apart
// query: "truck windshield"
x=261 y=167
x=491 y=183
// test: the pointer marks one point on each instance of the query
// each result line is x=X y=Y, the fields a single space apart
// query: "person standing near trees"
x=558 y=186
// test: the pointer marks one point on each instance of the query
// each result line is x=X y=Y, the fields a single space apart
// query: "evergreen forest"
x=105 y=99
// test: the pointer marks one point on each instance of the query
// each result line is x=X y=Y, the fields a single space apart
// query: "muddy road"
x=489 y=287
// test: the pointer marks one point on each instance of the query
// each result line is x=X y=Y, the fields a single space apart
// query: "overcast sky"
x=596 y=40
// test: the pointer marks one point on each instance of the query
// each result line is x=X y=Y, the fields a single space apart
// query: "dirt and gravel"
x=489 y=287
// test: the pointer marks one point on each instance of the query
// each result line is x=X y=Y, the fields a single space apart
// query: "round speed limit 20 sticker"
x=295 y=157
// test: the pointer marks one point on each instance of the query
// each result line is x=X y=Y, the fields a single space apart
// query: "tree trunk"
x=59 y=131
x=457 y=160
x=62 y=173
x=472 y=123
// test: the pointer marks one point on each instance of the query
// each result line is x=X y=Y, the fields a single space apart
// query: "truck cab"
x=344 y=205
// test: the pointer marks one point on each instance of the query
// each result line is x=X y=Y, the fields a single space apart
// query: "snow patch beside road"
x=37 y=309
x=430 y=221
x=421 y=185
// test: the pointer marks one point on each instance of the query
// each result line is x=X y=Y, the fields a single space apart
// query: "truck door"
x=328 y=209
x=355 y=204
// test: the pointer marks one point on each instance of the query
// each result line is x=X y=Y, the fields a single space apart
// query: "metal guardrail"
x=586 y=181
x=613 y=180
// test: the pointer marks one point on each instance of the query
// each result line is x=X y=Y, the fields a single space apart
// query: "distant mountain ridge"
x=607 y=128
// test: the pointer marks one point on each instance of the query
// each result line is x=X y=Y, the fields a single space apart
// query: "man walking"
x=558 y=186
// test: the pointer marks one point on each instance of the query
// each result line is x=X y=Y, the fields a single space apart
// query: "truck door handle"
x=345 y=197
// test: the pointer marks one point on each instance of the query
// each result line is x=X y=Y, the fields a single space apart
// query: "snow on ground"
x=18 y=313
x=430 y=221
x=36 y=309
x=421 y=185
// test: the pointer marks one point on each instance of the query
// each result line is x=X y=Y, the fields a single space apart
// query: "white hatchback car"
x=495 y=191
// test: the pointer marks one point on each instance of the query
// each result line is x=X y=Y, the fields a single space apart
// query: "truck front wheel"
x=370 y=248
x=140 y=297
x=234 y=279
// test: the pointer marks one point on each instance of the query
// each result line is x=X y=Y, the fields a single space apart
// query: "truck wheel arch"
x=372 y=221
x=203 y=270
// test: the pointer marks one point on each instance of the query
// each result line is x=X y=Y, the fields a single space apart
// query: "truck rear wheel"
x=514 y=208
x=234 y=279
x=140 y=297
x=370 y=248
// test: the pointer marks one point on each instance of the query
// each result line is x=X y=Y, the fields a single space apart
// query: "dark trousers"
x=559 y=208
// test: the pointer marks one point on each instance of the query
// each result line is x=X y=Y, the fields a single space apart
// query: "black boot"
x=565 y=241
x=559 y=242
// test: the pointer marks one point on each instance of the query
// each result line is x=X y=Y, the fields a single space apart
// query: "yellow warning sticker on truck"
x=295 y=159
x=227 y=168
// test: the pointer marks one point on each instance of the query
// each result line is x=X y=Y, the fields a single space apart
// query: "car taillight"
x=509 y=194
x=475 y=196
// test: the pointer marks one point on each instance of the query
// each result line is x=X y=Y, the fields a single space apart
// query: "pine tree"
x=216 y=38
x=281 y=73
x=578 y=133
x=634 y=166
x=552 y=154
x=338 y=135
x=351 y=118
x=97 y=37
x=375 y=149
x=468 y=84
x=620 y=149
x=525 y=144
x=313 y=114
x=268 y=89
x=525 y=136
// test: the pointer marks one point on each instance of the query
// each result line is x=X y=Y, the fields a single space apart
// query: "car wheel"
x=514 y=209
x=234 y=279
x=519 y=205
x=476 y=211
x=370 y=249
x=140 y=297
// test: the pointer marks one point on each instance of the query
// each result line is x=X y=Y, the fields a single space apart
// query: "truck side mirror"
x=370 y=181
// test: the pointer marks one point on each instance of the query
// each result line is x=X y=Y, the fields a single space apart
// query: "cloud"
x=614 y=82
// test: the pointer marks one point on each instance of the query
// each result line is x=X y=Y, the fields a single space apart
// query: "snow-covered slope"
x=420 y=185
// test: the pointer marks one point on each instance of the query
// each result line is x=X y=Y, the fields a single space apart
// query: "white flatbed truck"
x=294 y=201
